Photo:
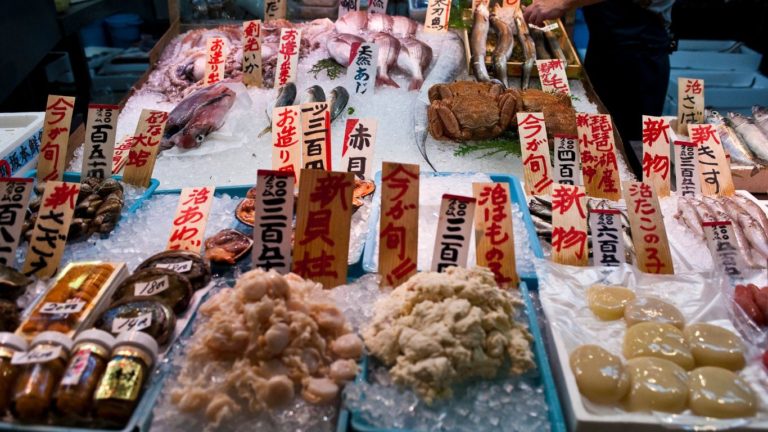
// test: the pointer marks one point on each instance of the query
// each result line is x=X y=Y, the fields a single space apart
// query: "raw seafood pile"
x=199 y=114
x=440 y=329
x=395 y=37
x=263 y=342
x=227 y=246
x=744 y=138
x=466 y=110
x=754 y=302
x=750 y=224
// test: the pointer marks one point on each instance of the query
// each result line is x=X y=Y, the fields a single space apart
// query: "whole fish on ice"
x=732 y=142
x=760 y=114
x=504 y=23
x=340 y=46
x=755 y=139
x=414 y=59
x=389 y=49
x=478 y=39
x=199 y=114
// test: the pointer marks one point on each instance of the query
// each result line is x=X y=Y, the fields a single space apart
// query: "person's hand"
x=541 y=10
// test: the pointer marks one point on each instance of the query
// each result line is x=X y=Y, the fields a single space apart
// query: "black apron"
x=628 y=63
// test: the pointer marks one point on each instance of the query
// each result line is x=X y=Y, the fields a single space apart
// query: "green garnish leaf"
x=328 y=65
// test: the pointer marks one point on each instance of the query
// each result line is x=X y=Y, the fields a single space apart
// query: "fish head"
x=760 y=112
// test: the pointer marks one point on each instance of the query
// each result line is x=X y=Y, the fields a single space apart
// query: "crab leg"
x=529 y=47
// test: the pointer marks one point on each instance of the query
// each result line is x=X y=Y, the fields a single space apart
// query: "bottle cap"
x=14 y=341
x=97 y=336
x=53 y=338
x=140 y=340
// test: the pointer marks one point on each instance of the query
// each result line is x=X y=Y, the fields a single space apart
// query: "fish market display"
x=261 y=345
x=414 y=59
x=753 y=137
x=466 y=110
x=199 y=114
x=732 y=142
x=440 y=329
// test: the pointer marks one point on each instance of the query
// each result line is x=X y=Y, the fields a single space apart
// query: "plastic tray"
x=516 y=193
x=555 y=414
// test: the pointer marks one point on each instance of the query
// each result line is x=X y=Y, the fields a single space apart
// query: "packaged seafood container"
x=516 y=194
x=545 y=379
x=715 y=55
x=20 y=135
x=723 y=91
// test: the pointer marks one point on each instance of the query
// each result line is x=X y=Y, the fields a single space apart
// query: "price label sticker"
x=37 y=355
x=178 y=267
x=153 y=287
x=120 y=325
x=52 y=308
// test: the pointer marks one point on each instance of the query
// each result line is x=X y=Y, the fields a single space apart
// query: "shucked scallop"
x=277 y=338
x=278 y=391
x=652 y=339
x=656 y=385
x=319 y=390
x=600 y=375
x=715 y=346
x=343 y=370
x=348 y=346
x=608 y=302
x=645 y=309
x=720 y=393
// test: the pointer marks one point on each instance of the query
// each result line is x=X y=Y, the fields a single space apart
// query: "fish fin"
x=415 y=84
x=383 y=80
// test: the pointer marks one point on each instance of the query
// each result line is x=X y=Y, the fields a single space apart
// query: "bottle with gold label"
x=9 y=345
x=120 y=387
x=74 y=395
x=43 y=367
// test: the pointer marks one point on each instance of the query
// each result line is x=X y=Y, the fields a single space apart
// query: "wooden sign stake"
x=569 y=225
x=649 y=235
x=398 y=241
x=494 y=234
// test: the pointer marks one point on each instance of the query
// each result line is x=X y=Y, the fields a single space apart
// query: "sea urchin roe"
x=720 y=393
x=74 y=394
x=607 y=302
x=43 y=367
x=651 y=339
x=656 y=385
x=119 y=388
x=715 y=346
x=438 y=329
x=9 y=345
x=645 y=309
x=599 y=374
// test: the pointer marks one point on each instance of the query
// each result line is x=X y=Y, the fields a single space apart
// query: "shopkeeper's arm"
x=541 y=10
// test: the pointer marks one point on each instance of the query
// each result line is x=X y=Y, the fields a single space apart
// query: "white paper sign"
x=62 y=308
x=142 y=321
x=178 y=267
x=567 y=160
x=607 y=238
x=156 y=286
x=361 y=73
x=37 y=355
x=687 y=181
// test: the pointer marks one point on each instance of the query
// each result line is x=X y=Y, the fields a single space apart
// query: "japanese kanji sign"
x=436 y=19
x=361 y=73
x=357 y=150
x=323 y=218
x=687 y=169
x=347 y=6
x=398 y=241
x=714 y=168
x=120 y=155
x=287 y=56
x=537 y=170
x=724 y=248
x=656 y=162
x=567 y=160
x=454 y=228
x=607 y=237
x=53 y=152
x=273 y=220
x=377 y=6
x=598 y=156
x=649 y=235
x=494 y=236
x=552 y=76
x=146 y=144
x=216 y=55
x=252 y=71
x=188 y=226
x=316 y=136
x=286 y=139
x=569 y=225
x=49 y=236
x=99 y=141
x=275 y=9
x=690 y=103
x=14 y=199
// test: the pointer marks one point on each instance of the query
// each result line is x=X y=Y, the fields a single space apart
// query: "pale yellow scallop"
x=600 y=375
x=715 y=346
x=660 y=340
x=656 y=385
x=607 y=302
x=651 y=309
x=720 y=393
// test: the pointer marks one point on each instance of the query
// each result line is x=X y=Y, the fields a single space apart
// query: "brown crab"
x=467 y=110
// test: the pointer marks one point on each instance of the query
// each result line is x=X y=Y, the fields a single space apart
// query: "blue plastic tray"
x=555 y=413
x=516 y=194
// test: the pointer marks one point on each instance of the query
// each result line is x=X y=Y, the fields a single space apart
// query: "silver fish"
x=529 y=48
x=760 y=114
x=540 y=44
x=340 y=46
x=338 y=101
x=314 y=94
x=740 y=153
x=751 y=134
x=286 y=95
x=753 y=209
x=718 y=213
x=755 y=235
x=686 y=213
x=414 y=59
x=505 y=43
x=478 y=39
x=555 y=49
x=389 y=48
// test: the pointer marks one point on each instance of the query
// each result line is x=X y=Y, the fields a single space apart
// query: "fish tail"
x=416 y=83
x=386 y=80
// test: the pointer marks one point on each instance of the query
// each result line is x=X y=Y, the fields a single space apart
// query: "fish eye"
x=199 y=138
